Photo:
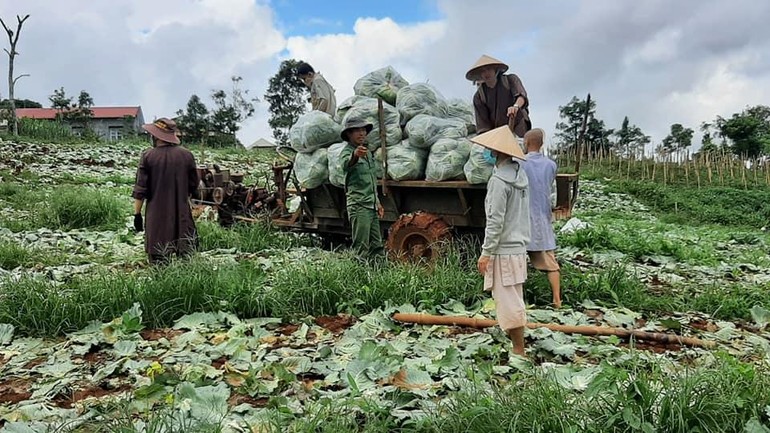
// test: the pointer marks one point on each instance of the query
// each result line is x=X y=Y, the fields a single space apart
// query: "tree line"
x=745 y=134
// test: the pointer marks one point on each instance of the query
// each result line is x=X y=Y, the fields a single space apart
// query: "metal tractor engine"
x=233 y=200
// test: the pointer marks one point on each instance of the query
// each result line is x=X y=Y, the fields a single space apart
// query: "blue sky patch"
x=312 y=17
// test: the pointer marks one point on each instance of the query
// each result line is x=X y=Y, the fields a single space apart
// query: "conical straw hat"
x=501 y=140
x=485 y=60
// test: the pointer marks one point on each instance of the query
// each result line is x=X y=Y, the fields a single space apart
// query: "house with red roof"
x=109 y=123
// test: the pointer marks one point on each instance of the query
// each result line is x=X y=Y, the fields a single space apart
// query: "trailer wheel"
x=417 y=236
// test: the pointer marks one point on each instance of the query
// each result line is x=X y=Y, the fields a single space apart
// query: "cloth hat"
x=353 y=124
x=485 y=60
x=163 y=129
x=501 y=140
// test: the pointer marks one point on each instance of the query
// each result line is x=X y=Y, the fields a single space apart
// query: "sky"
x=656 y=61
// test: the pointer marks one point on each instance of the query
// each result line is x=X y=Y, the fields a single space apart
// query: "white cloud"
x=374 y=43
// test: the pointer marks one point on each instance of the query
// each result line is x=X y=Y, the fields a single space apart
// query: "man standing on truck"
x=499 y=97
x=166 y=178
x=363 y=204
x=541 y=172
x=321 y=92
x=503 y=260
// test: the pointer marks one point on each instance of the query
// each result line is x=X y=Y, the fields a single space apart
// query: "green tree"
x=597 y=136
x=20 y=103
x=286 y=95
x=707 y=144
x=194 y=122
x=60 y=102
x=229 y=113
x=81 y=116
x=630 y=139
x=748 y=131
x=128 y=127
x=679 y=139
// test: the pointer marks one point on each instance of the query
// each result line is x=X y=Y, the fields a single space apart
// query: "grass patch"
x=80 y=179
x=724 y=398
x=709 y=205
x=247 y=238
x=83 y=208
x=39 y=307
x=730 y=302
x=637 y=243
x=349 y=285
x=611 y=287
x=13 y=255
x=11 y=191
x=614 y=286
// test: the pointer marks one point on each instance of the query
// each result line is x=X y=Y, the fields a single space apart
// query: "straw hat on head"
x=501 y=140
x=485 y=60
x=163 y=129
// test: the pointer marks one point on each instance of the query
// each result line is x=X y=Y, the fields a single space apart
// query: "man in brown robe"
x=499 y=97
x=165 y=179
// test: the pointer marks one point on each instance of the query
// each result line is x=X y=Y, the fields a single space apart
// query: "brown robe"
x=166 y=178
x=494 y=113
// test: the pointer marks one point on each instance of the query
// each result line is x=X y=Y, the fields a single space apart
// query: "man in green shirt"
x=364 y=208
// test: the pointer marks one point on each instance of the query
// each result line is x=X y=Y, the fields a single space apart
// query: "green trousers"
x=367 y=237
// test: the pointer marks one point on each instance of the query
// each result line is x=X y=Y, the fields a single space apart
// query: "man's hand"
x=380 y=211
x=361 y=152
x=138 y=223
x=482 y=264
x=512 y=110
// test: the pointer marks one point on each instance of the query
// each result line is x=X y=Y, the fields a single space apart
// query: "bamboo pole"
x=754 y=169
x=708 y=166
x=743 y=174
x=697 y=173
x=429 y=319
x=628 y=171
x=767 y=173
x=687 y=167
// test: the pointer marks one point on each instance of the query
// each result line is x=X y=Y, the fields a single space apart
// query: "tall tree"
x=707 y=144
x=679 y=139
x=230 y=112
x=286 y=95
x=630 y=139
x=60 y=102
x=568 y=129
x=13 y=39
x=193 y=121
x=82 y=114
x=748 y=131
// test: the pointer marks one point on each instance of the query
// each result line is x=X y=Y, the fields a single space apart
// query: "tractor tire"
x=417 y=236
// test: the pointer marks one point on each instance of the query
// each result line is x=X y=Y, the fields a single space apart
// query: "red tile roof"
x=99 y=112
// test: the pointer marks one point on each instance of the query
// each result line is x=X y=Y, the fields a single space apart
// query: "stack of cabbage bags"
x=426 y=135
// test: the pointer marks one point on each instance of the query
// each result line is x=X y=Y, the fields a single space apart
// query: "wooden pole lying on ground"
x=429 y=319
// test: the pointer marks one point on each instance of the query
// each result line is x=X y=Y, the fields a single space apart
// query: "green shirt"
x=360 y=179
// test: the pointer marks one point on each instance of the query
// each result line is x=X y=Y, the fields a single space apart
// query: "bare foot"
x=557 y=304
